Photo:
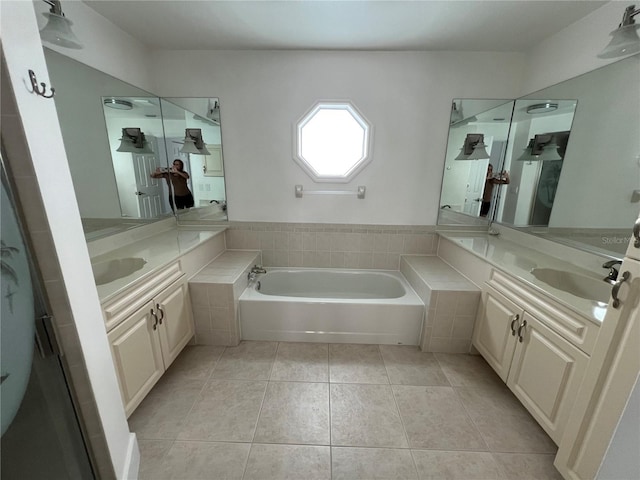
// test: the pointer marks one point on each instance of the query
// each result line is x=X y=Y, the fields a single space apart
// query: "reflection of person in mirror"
x=489 y=182
x=178 y=178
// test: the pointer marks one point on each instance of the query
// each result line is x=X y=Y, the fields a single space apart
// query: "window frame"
x=366 y=144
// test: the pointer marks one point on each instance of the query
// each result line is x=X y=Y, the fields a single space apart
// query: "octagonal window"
x=333 y=142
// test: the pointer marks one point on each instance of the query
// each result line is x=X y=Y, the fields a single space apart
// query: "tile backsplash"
x=331 y=245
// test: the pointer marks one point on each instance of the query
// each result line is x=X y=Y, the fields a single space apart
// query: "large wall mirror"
x=477 y=141
x=204 y=164
x=573 y=159
x=117 y=135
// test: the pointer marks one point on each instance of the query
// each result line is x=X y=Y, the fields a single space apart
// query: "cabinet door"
x=135 y=347
x=493 y=335
x=176 y=321
x=545 y=375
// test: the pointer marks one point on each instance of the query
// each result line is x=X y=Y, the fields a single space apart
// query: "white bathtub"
x=333 y=306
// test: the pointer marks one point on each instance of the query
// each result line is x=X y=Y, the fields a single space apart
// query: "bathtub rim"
x=409 y=298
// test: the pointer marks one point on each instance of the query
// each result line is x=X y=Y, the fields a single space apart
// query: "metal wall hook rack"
x=40 y=90
x=360 y=192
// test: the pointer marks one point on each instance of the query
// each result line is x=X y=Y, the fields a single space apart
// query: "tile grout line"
x=404 y=429
x=330 y=425
x=260 y=410
x=395 y=402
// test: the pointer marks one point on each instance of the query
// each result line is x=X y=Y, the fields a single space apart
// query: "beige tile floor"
x=269 y=410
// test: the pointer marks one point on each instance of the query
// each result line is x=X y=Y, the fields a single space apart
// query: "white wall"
x=405 y=95
x=106 y=47
x=573 y=50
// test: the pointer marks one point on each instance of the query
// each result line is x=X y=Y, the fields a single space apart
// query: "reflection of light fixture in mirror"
x=545 y=147
x=527 y=155
x=456 y=115
x=193 y=142
x=58 y=28
x=117 y=103
x=479 y=151
x=625 y=39
x=542 y=108
x=461 y=155
x=550 y=152
x=473 y=148
x=133 y=141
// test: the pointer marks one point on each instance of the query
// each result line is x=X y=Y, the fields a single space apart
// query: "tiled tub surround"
x=332 y=245
x=451 y=303
x=215 y=291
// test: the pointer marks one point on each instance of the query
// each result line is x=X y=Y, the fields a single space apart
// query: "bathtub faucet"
x=255 y=270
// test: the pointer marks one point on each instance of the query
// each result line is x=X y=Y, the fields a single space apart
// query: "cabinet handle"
x=522 y=328
x=155 y=317
x=514 y=320
x=161 y=313
x=616 y=289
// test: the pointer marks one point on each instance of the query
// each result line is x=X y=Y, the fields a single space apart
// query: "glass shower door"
x=41 y=436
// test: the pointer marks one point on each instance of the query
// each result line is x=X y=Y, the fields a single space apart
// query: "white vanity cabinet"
x=150 y=325
x=135 y=346
x=539 y=348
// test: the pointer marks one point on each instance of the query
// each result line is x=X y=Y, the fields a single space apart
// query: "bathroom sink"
x=110 y=270
x=574 y=283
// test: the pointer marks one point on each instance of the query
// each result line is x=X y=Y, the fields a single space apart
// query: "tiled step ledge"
x=450 y=299
x=215 y=291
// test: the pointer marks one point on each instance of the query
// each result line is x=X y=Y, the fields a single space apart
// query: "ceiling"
x=501 y=26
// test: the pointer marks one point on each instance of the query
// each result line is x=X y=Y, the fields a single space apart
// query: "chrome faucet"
x=613 y=271
x=255 y=270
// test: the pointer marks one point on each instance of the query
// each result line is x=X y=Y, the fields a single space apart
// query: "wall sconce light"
x=58 y=28
x=473 y=148
x=133 y=141
x=193 y=142
x=625 y=39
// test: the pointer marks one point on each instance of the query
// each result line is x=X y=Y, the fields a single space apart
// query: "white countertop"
x=518 y=261
x=157 y=250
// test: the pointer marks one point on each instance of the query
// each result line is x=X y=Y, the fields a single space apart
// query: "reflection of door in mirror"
x=148 y=189
x=134 y=159
x=212 y=164
x=475 y=187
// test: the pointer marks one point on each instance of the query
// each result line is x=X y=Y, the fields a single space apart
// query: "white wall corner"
x=573 y=50
x=131 y=466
